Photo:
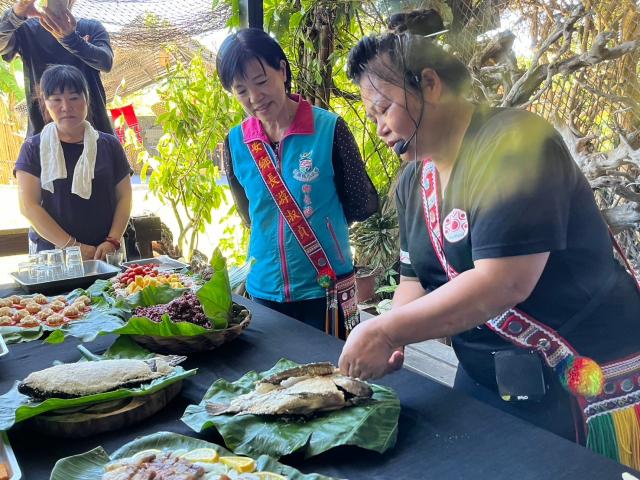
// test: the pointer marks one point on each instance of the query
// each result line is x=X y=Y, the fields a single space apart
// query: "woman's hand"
x=103 y=249
x=25 y=8
x=368 y=353
x=87 y=251
x=58 y=25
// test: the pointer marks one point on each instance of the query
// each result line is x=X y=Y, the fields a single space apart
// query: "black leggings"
x=312 y=312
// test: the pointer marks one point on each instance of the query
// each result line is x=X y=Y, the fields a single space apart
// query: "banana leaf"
x=90 y=465
x=16 y=407
x=373 y=425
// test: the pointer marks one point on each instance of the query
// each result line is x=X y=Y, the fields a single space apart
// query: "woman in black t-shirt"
x=494 y=216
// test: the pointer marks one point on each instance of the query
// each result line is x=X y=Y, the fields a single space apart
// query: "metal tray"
x=3 y=347
x=93 y=270
x=8 y=458
x=163 y=262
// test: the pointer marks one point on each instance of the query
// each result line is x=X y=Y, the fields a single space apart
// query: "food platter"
x=163 y=262
x=93 y=270
x=92 y=465
x=103 y=417
x=8 y=459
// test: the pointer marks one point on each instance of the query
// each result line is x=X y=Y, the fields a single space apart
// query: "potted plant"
x=375 y=241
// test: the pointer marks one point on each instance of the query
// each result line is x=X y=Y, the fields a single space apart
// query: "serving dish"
x=8 y=458
x=163 y=262
x=93 y=270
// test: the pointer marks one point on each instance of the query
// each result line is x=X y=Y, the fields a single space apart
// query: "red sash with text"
x=341 y=292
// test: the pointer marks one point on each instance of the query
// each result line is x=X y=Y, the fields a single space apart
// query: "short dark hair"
x=245 y=45
x=401 y=57
x=60 y=78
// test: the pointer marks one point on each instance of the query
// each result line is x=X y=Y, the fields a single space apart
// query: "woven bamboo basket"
x=240 y=320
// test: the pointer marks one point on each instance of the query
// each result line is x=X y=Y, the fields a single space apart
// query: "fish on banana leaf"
x=72 y=380
x=303 y=390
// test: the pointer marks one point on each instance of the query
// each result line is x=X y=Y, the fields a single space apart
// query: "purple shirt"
x=89 y=221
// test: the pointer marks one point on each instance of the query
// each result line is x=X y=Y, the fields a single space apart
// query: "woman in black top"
x=517 y=227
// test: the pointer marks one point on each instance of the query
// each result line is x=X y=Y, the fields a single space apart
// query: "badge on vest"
x=455 y=226
x=306 y=172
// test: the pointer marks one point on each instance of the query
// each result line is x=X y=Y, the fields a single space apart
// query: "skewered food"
x=71 y=380
x=303 y=390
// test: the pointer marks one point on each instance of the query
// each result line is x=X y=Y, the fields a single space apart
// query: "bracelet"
x=113 y=242
x=67 y=244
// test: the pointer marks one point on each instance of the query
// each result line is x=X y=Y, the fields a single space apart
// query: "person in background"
x=504 y=249
x=73 y=181
x=42 y=38
x=321 y=168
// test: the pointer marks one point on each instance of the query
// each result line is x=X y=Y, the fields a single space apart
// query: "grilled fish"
x=72 y=380
x=303 y=390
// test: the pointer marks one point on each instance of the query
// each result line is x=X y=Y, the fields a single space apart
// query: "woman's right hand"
x=25 y=8
x=87 y=251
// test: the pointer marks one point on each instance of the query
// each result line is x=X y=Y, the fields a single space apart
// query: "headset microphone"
x=402 y=146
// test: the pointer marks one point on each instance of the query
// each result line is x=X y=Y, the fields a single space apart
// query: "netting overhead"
x=150 y=23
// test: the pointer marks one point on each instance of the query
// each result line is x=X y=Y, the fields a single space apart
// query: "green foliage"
x=9 y=86
x=376 y=238
x=185 y=171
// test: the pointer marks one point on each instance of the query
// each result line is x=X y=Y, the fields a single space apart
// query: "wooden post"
x=251 y=13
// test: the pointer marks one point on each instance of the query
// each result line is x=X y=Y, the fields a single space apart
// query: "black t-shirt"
x=87 y=220
x=522 y=194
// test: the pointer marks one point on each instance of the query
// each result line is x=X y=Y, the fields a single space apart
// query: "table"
x=442 y=433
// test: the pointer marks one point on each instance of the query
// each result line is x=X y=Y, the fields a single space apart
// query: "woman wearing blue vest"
x=297 y=179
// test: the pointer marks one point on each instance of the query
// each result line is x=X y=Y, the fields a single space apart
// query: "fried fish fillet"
x=71 y=380
x=316 y=387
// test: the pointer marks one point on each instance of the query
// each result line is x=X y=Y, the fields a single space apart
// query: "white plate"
x=8 y=458
x=3 y=347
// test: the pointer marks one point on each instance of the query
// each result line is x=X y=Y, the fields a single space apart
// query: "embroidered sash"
x=340 y=291
x=611 y=416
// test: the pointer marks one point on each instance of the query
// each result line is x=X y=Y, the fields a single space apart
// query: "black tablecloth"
x=442 y=434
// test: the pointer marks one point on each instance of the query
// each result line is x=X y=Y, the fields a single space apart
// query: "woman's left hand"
x=60 y=25
x=368 y=353
x=103 y=249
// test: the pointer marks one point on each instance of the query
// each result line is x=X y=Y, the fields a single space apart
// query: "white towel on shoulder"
x=53 y=165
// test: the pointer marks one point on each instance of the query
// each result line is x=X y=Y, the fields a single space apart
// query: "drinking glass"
x=75 y=267
x=24 y=271
x=114 y=258
x=41 y=273
x=55 y=262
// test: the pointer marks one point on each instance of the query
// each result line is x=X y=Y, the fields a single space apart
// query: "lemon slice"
x=144 y=453
x=269 y=476
x=241 y=464
x=204 y=455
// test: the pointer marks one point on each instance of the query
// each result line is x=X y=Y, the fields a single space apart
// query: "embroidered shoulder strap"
x=579 y=375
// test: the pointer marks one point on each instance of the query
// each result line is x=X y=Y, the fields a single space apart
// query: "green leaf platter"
x=16 y=407
x=90 y=465
x=373 y=425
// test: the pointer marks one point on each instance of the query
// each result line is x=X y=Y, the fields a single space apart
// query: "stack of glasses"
x=51 y=265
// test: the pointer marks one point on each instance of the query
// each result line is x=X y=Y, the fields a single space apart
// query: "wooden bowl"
x=182 y=344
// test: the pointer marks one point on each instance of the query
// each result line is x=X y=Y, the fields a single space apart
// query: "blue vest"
x=282 y=271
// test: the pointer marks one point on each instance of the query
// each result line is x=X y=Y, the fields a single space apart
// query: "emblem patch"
x=306 y=172
x=455 y=226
